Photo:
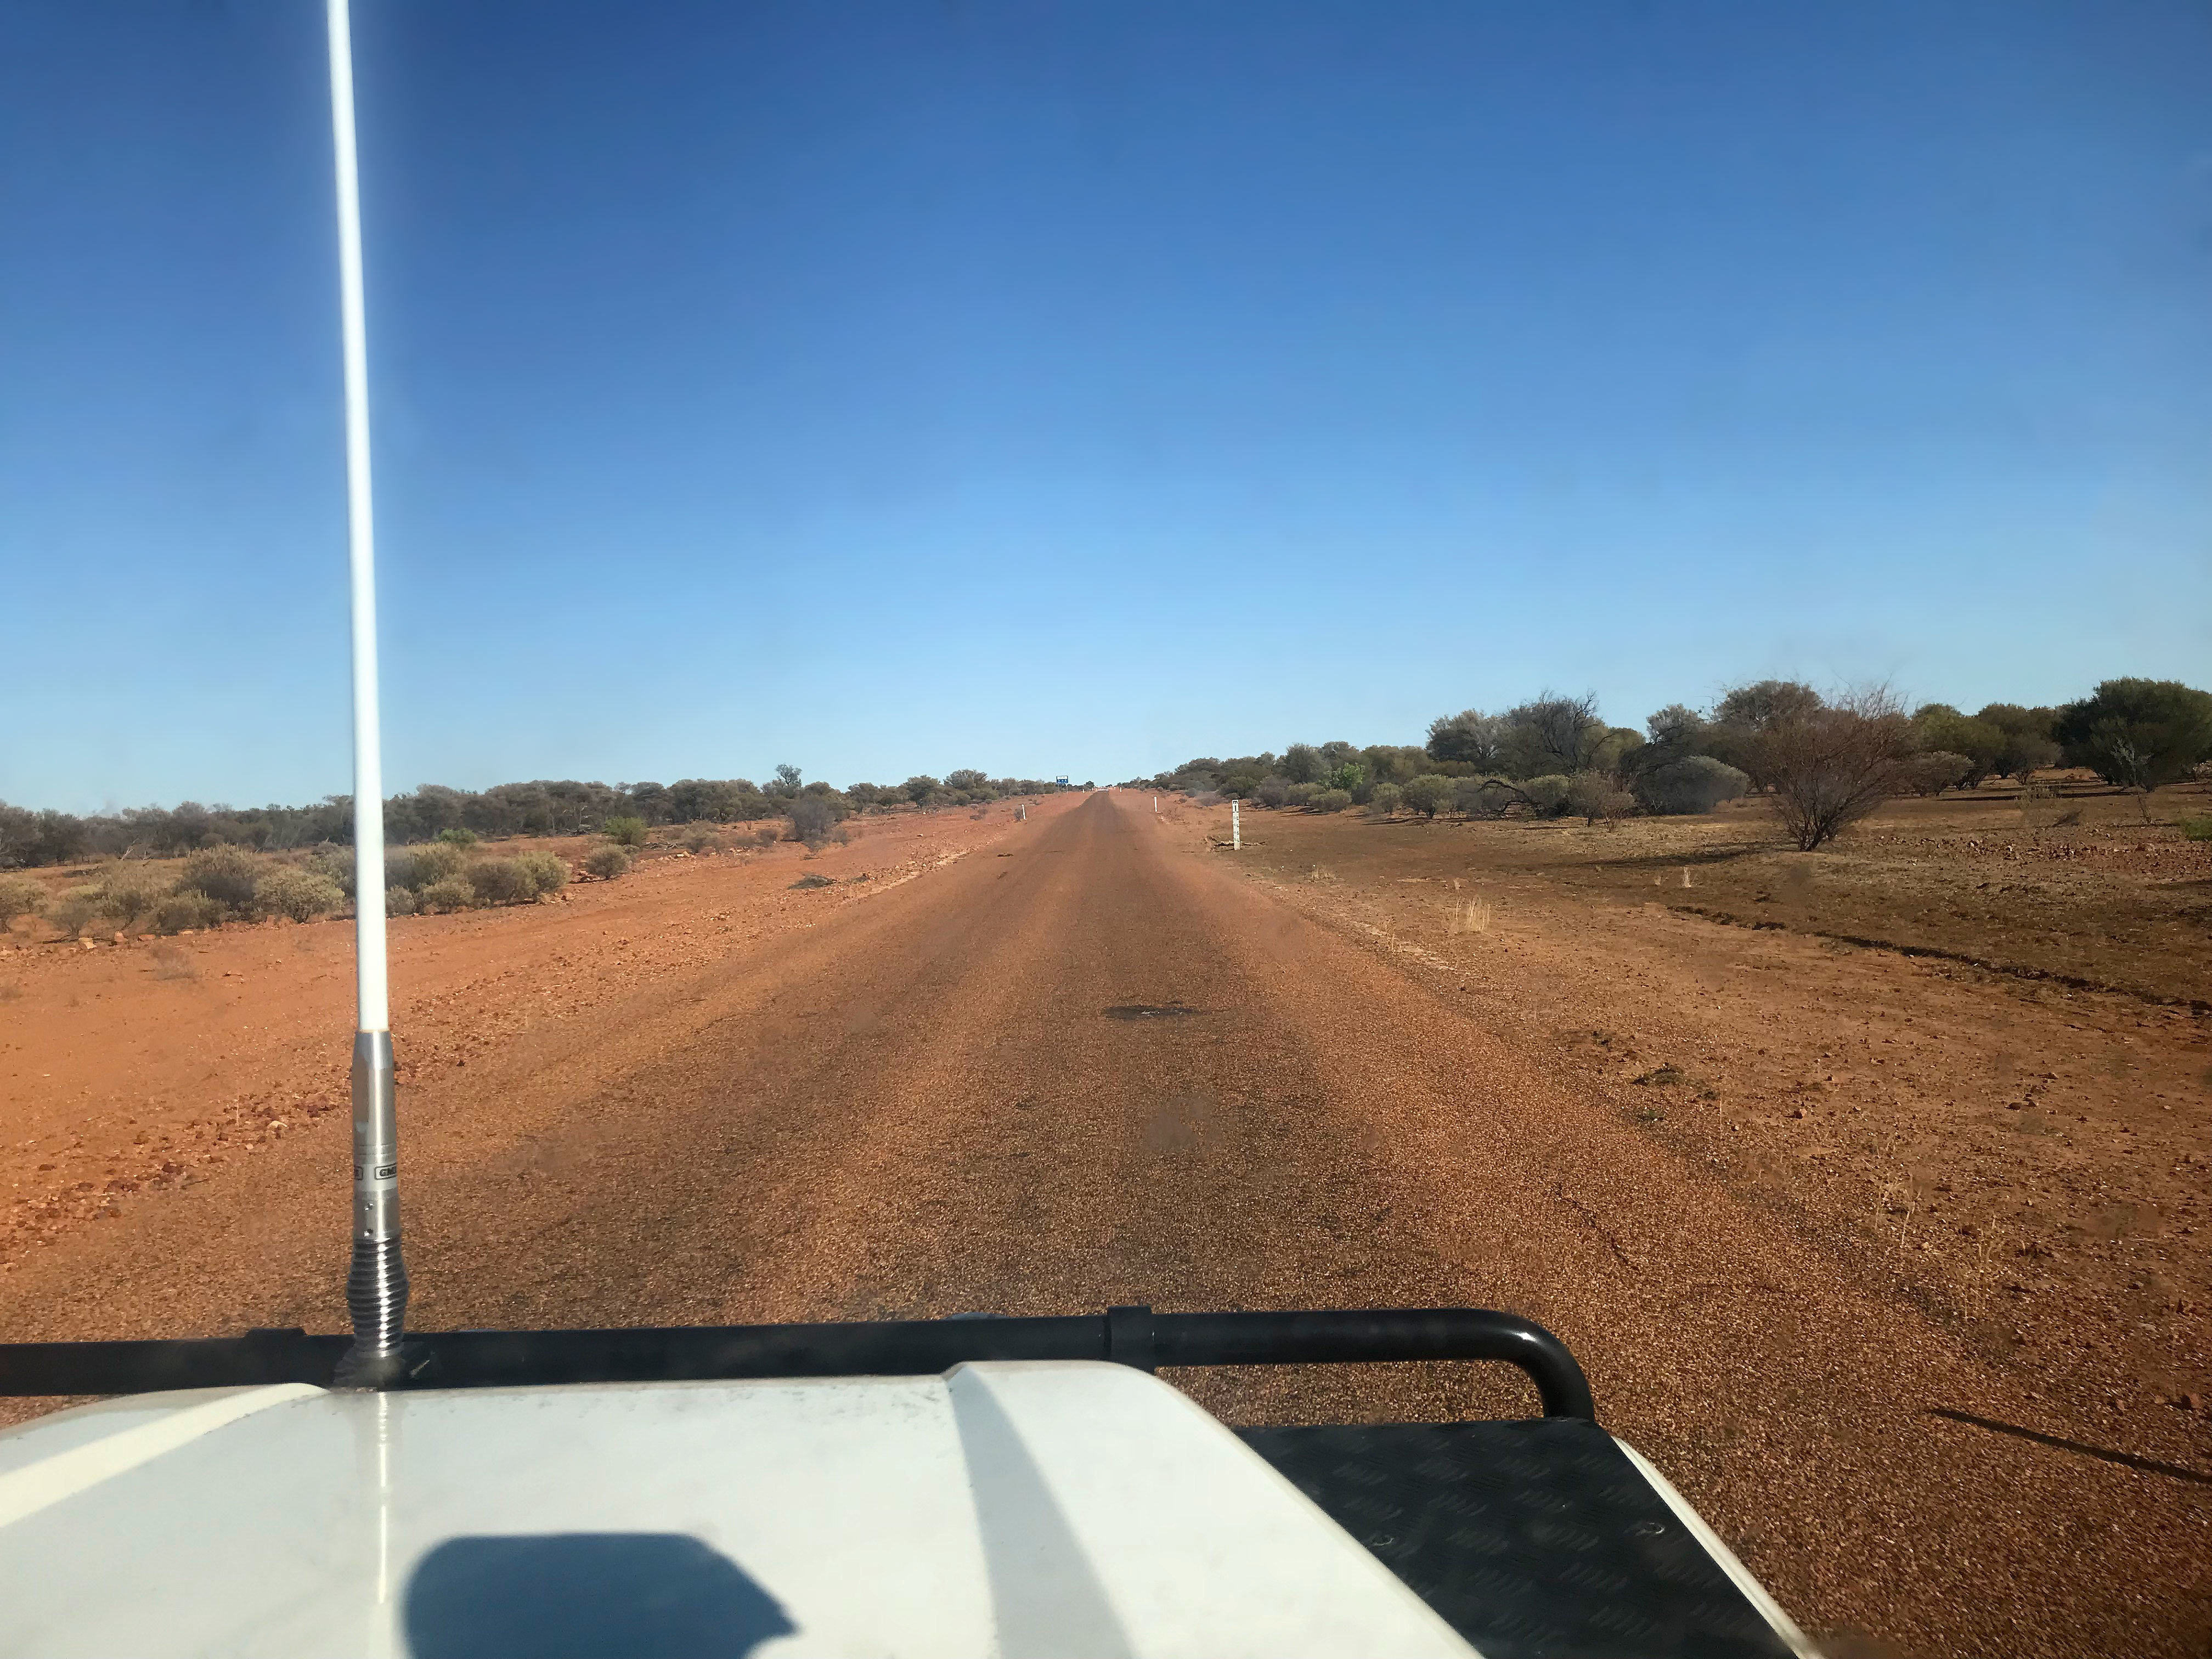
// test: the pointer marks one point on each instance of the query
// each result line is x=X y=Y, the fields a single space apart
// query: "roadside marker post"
x=1236 y=827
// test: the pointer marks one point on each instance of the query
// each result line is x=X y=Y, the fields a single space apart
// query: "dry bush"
x=72 y=911
x=171 y=963
x=448 y=893
x=1593 y=795
x=129 y=894
x=1384 y=800
x=1547 y=795
x=546 y=873
x=1695 y=783
x=231 y=876
x=337 y=864
x=399 y=902
x=1429 y=795
x=606 y=862
x=500 y=881
x=813 y=820
x=702 y=838
x=1330 y=801
x=300 y=893
x=1934 y=771
x=187 y=912
x=767 y=836
x=1830 y=767
x=20 y=895
x=420 y=866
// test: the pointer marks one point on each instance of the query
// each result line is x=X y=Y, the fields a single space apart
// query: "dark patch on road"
x=1151 y=1010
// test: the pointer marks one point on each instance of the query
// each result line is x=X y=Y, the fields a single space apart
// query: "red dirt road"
x=923 y=1104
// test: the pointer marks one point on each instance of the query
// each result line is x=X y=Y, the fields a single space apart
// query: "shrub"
x=1546 y=794
x=1330 y=800
x=71 y=910
x=1696 y=783
x=767 y=835
x=2196 y=828
x=399 y=902
x=1347 y=777
x=128 y=894
x=230 y=876
x=1938 y=769
x=300 y=893
x=1300 y=794
x=420 y=866
x=625 y=832
x=445 y=894
x=500 y=881
x=1274 y=792
x=20 y=895
x=1479 y=798
x=457 y=836
x=606 y=862
x=702 y=838
x=336 y=863
x=182 y=912
x=1594 y=795
x=545 y=873
x=1429 y=793
x=813 y=817
x=1831 y=766
x=1384 y=799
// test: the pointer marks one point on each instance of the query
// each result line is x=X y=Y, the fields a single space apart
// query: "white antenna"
x=376 y=1285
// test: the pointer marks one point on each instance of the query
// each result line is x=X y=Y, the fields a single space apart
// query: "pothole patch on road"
x=1151 y=1011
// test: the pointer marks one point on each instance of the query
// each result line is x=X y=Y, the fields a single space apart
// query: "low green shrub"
x=399 y=902
x=1549 y=793
x=231 y=876
x=2196 y=828
x=1384 y=799
x=500 y=881
x=545 y=873
x=421 y=866
x=445 y=894
x=1429 y=793
x=625 y=832
x=71 y=910
x=1330 y=801
x=187 y=912
x=20 y=895
x=128 y=895
x=606 y=862
x=296 y=891
x=457 y=836
x=336 y=863
x=1696 y=783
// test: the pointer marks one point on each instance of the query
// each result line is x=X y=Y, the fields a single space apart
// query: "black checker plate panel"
x=1534 y=1540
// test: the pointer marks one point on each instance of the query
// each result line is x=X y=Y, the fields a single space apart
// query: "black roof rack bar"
x=1133 y=1336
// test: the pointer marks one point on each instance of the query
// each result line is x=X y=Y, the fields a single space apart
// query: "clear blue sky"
x=1076 y=387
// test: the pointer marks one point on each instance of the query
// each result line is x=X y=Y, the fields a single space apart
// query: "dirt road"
x=1086 y=1065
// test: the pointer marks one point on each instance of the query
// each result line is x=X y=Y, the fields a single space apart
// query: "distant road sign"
x=1061 y=779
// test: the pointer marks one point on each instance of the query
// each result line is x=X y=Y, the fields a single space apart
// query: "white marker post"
x=376 y=1285
x=1236 y=827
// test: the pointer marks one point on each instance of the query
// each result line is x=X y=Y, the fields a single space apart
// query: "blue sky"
x=1076 y=387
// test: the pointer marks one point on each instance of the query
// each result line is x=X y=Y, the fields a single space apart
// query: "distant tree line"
x=1820 y=762
x=545 y=807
